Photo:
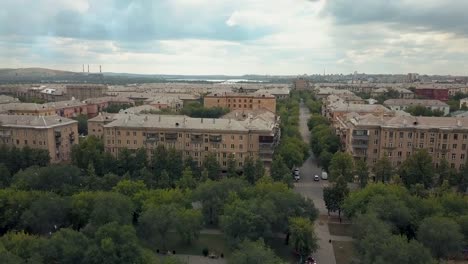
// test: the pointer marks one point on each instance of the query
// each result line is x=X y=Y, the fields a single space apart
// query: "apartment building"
x=301 y=84
x=243 y=101
x=371 y=138
x=53 y=133
x=31 y=109
x=403 y=104
x=430 y=92
x=97 y=123
x=71 y=108
x=85 y=91
x=97 y=105
x=404 y=93
x=195 y=137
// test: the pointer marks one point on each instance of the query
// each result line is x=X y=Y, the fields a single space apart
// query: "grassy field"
x=340 y=229
x=344 y=251
x=217 y=244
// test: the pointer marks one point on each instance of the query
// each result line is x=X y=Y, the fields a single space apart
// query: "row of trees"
x=199 y=111
x=391 y=224
x=323 y=139
x=419 y=110
x=14 y=159
x=115 y=108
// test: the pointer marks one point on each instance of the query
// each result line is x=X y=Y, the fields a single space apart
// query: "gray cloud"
x=418 y=15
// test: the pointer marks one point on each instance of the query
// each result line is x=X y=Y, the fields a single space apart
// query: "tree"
x=164 y=181
x=115 y=244
x=213 y=195
x=111 y=207
x=441 y=235
x=5 y=176
x=46 y=214
x=231 y=166
x=187 y=181
x=254 y=252
x=66 y=246
x=443 y=172
x=23 y=246
x=334 y=197
x=418 y=169
x=463 y=179
x=212 y=166
x=82 y=124
x=129 y=188
x=383 y=170
x=259 y=168
x=188 y=223
x=279 y=169
x=250 y=219
x=250 y=172
x=341 y=165
x=325 y=158
x=303 y=236
x=362 y=171
x=155 y=223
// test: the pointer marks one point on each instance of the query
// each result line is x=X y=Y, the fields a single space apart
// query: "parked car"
x=316 y=178
x=324 y=175
x=296 y=175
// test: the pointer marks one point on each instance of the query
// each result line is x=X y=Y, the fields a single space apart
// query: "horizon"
x=182 y=37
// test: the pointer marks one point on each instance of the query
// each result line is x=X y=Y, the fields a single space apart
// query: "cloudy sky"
x=237 y=36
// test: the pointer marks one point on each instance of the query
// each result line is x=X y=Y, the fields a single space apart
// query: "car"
x=296 y=171
x=310 y=260
x=316 y=178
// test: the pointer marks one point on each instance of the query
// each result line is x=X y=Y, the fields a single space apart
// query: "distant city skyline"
x=196 y=37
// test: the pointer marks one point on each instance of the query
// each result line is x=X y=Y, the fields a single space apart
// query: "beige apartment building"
x=241 y=101
x=53 y=133
x=195 y=137
x=371 y=138
x=85 y=91
x=28 y=109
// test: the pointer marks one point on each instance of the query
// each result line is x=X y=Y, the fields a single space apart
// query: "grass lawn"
x=340 y=229
x=217 y=244
x=214 y=243
x=344 y=251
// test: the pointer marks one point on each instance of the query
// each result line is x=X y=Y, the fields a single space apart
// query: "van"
x=324 y=175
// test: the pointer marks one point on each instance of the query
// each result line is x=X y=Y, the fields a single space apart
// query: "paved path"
x=314 y=190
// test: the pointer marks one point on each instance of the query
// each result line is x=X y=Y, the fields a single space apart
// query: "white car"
x=316 y=178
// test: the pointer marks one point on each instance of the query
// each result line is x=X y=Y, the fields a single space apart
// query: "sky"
x=235 y=37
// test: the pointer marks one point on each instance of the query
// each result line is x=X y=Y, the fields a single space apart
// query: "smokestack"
x=100 y=71
x=83 y=68
x=88 y=68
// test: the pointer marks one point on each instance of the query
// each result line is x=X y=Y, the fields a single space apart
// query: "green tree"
x=325 y=158
x=417 y=169
x=362 y=171
x=111 y=207
x=254 y=252
x=279 y=169
x=66 y=246
x=212 y=166
x=156 y=222
x=115 y=244
x=341 y=165
x=335 y=196
x=231 y=166
x=129 y=187
x=259 y=168
x=5 y=176
x=82 y=124
x=250 y=173
x=443 y=172
x=187 y=181
x=383 y=170
x=303 y=236
x=164 y=181
x=188 y=223
x=441 y=235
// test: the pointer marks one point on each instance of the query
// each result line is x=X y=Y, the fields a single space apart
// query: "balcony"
x=170 y=136
x=196 y=137
x=5 y=133
x=216 y=138
x=57 y=134
x=362 y=137
x=152 y=137
x=71 y=137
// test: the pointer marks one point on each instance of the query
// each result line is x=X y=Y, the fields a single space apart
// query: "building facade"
x=241 y=101
x=301 y=84
x=195 y=137
x=52 y=133
x=85 y=91
x=28 y=109
x=371 y=138
x=432 y=93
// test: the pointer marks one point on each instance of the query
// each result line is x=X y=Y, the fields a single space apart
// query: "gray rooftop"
x=410 y=102
x=34 y=121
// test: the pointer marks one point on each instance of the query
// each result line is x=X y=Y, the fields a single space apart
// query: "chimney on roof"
x=88 y=68
x=100 y=69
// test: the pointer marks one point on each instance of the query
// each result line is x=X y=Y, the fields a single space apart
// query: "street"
x=314 y=190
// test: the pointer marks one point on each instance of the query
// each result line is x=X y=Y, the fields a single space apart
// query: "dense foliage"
x=115 y=108
x=419 y=110
x=198 y=110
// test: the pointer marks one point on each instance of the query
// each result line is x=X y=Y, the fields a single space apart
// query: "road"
x=314 y=190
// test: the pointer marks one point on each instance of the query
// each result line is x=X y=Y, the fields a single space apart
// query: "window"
x=241 y=137
x=134 y=142
x=463 y=146
x=128 y=142
x=128 y=133
x=390 y=134
x=34 y=142
x=410 y=134
x=206 y=148
x=455 y=136
x=187 y=135
x=376 y=132
x=421 y=145
x=431 y=140
x=232 y=137
x=224 y=146
x=444 y=146
x=241 y=146
x=400 y=145
x=454 y=146
x=376 y=141
x=454 y=156
x=431 y=150
x=465 y=136
x=25 y=142
x=232 y=146
x=408 y=153
x=375 y=151
x=224 y=155
x=240 y=164
x=118 y=133
x=452 y=165
x=134 y=133
x=410 y=144
x=462 y=156
x=224 y=163
x=445 y=136
x=421 y=135
x=108 y=141
x=399 y=154
x=389 y=153
x=401 y=134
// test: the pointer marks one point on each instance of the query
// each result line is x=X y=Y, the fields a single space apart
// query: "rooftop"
x=185 y=122
x=34 y=121
x=25 y=107
x=413 y=122
x=409 y=102
x=248 y=95
x=5 y=99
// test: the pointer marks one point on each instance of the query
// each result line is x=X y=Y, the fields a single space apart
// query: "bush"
x=205 y=252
